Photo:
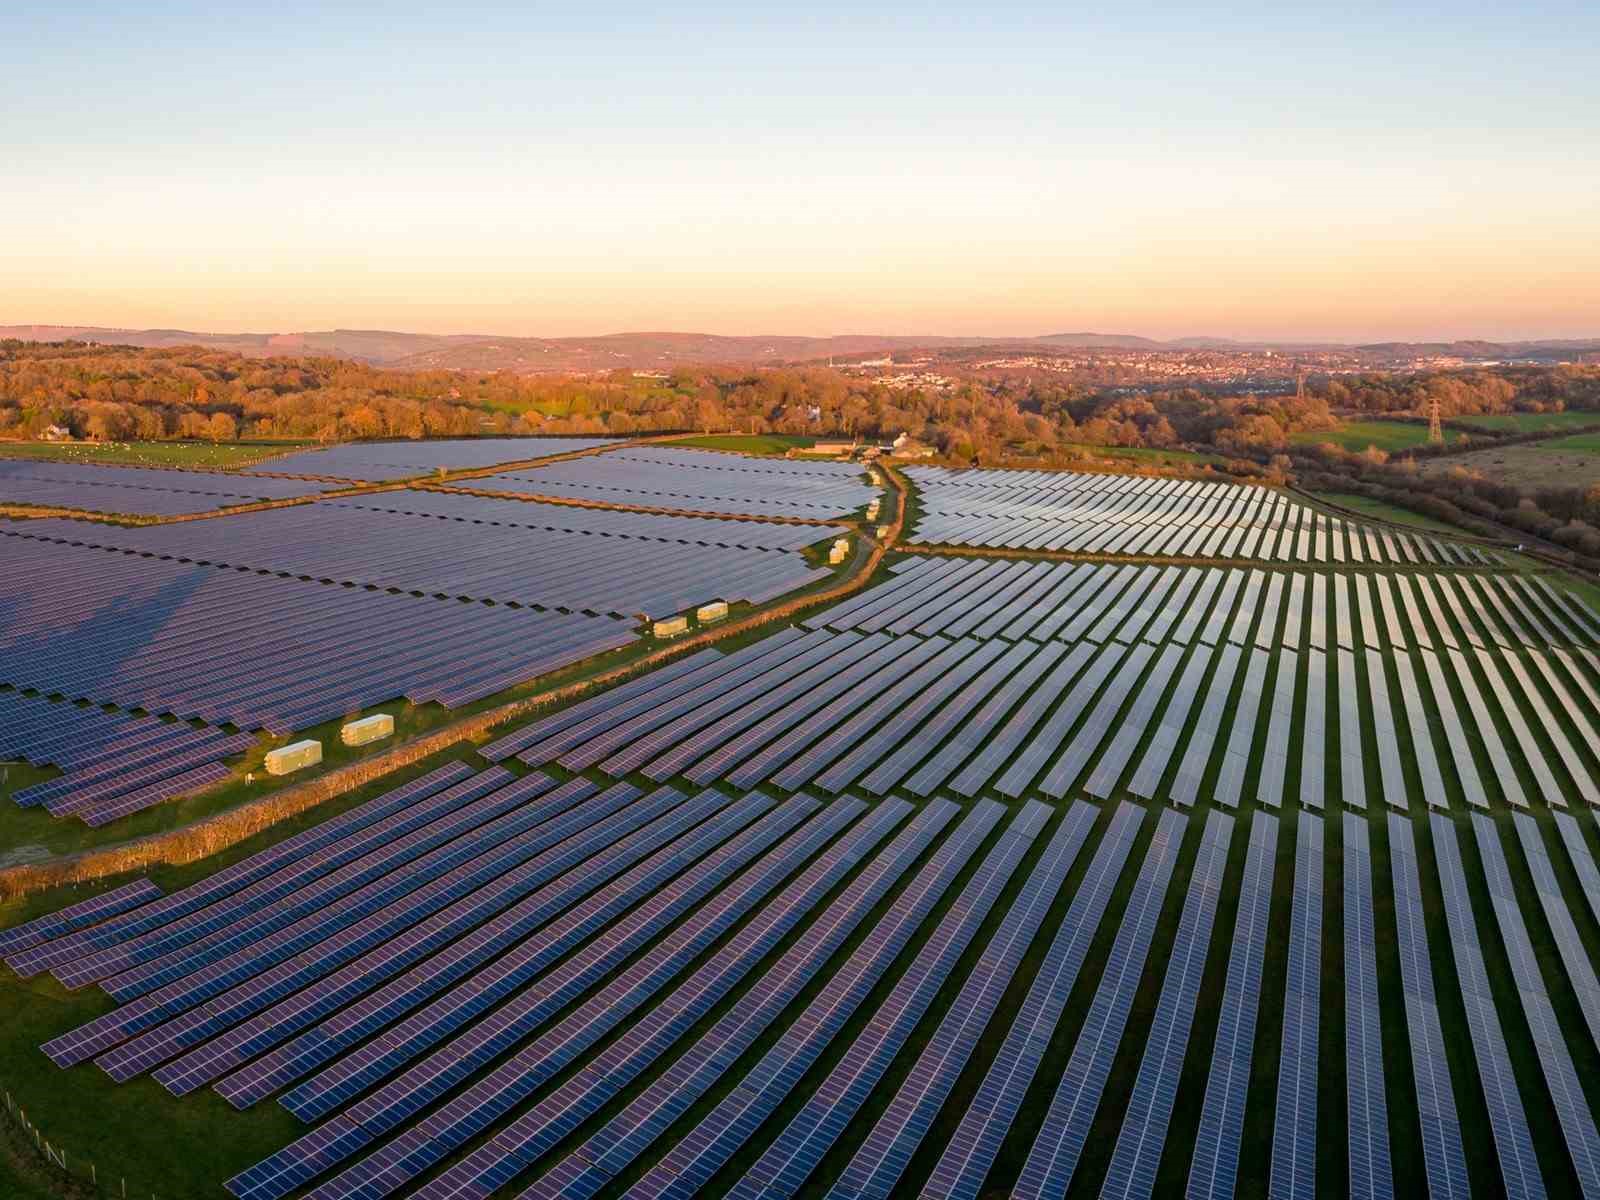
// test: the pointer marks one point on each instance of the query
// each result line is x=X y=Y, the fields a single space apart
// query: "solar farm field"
x=202 y=455
x=138 y=490
x=1226 y=850
x=373 y=462
x=139 y=664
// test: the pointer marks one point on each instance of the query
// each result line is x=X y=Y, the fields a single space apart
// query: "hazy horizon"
x=1245 y=172
x=931 y=334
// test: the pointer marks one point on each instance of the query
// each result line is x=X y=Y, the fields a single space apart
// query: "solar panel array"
x=507 y=564
x=978 y=676
x=375 y=462
x=1366 y=1107
x=111 y=764
x=1214 y=1169
x=1137 y=1154
x=698 y=481
x=673 y=972
x=1443 y=1153
x=1059 y=1144
x=1508 y=1120
x=1120 y=514
x=144 y=491
x=736 y=532
x=1555 y=1059
x=167 y=637
x=1294 y=1135
x=477 y=978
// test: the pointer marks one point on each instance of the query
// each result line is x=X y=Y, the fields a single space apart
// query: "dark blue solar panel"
x=971 y=1150
x=1058 y=1146
x=1294 y=1139
x=828 y=1112
x=1215 y=1165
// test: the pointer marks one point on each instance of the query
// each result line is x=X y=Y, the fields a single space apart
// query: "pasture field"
x=1154 y=456
x=214 y=456
x=1588 y=442
x=1356 y=436
x=1530 y=422
x=1379 y=510
x=1569 y=462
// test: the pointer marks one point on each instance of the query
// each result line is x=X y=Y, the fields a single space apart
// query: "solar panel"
x=978 y=733
x=306 y=849
x=796 y=1152
x=878 y=1163
x=1207 y=726
x=503 y=1088
x=1313 y=732
x=530 y=949
x=374 y=461
x=531 y=1136
x=1085 y=669
x=1560 y=1076
x=1057 y=1147
x=1072 y=759
x=1130 y=728
x=1455 y=736
x=148 y=491
x=1214 y=1167
x=1569 y=944
x=519 y=902
x=971 y=1149
x=75 y=916
x=1294 y=1141
x=1366 y=1109
x=1352 y=762
x=1443 y=1154
x=1508 y=1123
x=1137 y=1154
x=242 y=983
x=1416 y=720
x=1280 y=727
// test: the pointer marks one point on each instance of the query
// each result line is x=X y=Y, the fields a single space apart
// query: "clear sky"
x=1346 y=171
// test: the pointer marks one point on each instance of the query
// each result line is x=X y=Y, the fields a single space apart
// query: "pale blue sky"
x=1250 y=170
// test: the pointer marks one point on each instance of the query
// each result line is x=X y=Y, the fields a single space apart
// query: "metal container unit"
x=296 y=756
x=368 y=729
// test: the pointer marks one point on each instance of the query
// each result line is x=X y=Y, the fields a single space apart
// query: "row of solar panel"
x=167 y=637
x=112 y=764
x=541 y=568
x=841 y=709
x=534 y=514
x=698 y=481
x=375 y=462
x=1181 y=520
x=1014 y=600
x=142 y=490
x=623 y=854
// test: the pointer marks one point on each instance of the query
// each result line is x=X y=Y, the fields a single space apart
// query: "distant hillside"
x=1100 y=341
x=667 y=350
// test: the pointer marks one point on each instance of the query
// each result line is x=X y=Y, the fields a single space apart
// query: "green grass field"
x=746 y=443
x=1381 y=511
x=1527 y=422
x=1153 y=456
x=1579 y=441
x=1359 y=435
x=210 y=455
